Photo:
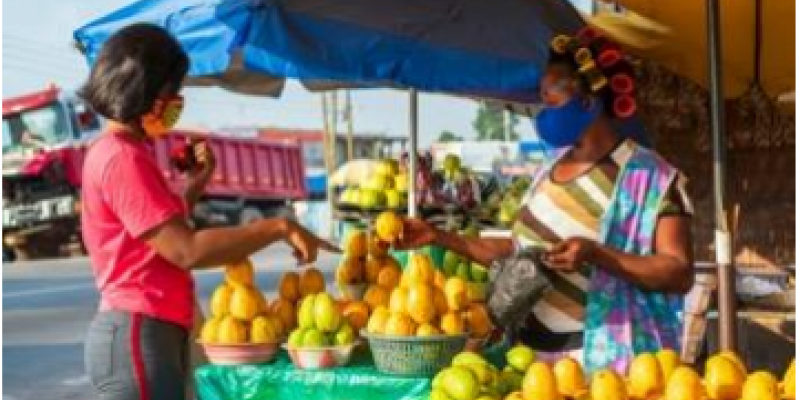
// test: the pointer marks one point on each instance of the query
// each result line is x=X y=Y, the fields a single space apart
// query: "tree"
x=447 y=136
x=489 y=124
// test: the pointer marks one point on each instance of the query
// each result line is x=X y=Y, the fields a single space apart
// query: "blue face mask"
x=563 y=126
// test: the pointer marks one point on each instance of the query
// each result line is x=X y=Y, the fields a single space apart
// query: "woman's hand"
x=570 y=255
x=306 y=245
x=416 y=233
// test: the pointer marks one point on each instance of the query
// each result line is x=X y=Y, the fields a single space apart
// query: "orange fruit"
x=569 y=377
x=377 y=247
x=440 y=302
x=289 y=286
x=356 y=244
x=398 y=300
x=478 y=321
x=455 y=291
x=388 y=226
x=311 y=282
x=372 y=269
x=428 y=330
x=400 y=324
x=246 y=303
x=420 y=304
x=389 y=277
x=452 y=323
x=420 y=269
x=357 y=314
x=285 y=311
x=350 y=270
x=377 y=320
x=240 y=274
x=221 y=299
x=439 y=279
x=376 y=296
x=539 y=383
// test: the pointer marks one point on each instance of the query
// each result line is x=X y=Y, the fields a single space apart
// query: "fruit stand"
x=308 y=344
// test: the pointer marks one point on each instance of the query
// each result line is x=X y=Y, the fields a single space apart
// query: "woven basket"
x=414 y=356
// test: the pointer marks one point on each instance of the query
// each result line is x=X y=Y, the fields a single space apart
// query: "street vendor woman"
x=613 y=217
x=136 y=230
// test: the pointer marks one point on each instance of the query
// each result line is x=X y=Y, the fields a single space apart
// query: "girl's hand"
x=306 y=245
x=206 y=161
x=570 y=255
x=416 y=233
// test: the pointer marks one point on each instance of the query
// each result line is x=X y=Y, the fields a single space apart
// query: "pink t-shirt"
x=124 y=196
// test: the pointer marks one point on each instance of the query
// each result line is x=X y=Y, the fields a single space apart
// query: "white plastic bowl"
x=320 y=357
x=240 y=354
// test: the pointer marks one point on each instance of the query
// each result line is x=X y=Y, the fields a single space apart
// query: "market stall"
x=429 y=346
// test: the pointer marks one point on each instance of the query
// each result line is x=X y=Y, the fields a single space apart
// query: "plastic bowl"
x=320 y=357
x=240 y=354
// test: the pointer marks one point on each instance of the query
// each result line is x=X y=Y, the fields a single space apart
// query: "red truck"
x=45 y=137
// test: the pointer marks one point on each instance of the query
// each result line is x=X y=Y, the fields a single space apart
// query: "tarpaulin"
x=280 y=380
x=494 y=49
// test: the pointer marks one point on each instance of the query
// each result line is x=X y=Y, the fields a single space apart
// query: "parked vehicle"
x=45 y=138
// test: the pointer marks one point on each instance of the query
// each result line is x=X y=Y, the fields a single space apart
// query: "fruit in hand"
x=389 y=226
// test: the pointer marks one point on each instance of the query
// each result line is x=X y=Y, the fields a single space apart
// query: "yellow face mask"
x=163 y=117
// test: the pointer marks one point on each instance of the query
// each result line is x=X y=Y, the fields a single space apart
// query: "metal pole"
x=412 y=152
x=326 y=139
x=722 y=237
x=349 y=109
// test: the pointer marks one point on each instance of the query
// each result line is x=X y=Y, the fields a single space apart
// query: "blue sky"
x=37 y=50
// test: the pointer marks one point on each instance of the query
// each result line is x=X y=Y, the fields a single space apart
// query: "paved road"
x=47 y=306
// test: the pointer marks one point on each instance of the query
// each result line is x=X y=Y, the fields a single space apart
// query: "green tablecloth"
x=279 y=380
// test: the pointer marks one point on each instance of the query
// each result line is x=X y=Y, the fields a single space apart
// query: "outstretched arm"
x=178 y=243
x=418 y=233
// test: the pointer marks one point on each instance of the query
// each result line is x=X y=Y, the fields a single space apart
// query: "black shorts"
x=131 y=356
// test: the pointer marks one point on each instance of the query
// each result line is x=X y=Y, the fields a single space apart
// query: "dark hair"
x=133 y=68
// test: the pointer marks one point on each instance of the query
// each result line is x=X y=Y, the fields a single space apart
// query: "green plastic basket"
x=414 y=356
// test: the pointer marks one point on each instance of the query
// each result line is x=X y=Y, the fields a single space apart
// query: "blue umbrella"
x=495 y=49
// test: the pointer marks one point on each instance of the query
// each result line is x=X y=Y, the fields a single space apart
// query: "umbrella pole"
x=722 y=238
x=413 y=113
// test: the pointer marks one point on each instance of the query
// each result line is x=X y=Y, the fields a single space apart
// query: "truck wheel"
x=249 y=214
x=8 y=254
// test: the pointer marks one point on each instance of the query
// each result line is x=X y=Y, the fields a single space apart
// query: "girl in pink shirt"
x=135 y=227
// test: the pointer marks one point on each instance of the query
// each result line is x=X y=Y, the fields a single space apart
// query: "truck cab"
x=41 y=132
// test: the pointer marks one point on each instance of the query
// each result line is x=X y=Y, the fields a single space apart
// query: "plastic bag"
x=515 y=285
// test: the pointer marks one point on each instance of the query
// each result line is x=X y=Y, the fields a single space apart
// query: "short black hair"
x=133 y=68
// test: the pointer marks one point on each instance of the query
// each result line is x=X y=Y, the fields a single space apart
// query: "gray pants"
x=136 y=357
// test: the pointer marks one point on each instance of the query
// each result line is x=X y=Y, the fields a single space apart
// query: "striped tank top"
x=554 y=211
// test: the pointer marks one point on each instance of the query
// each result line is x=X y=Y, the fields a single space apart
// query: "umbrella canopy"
x=758 y=39
x=454 y=46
